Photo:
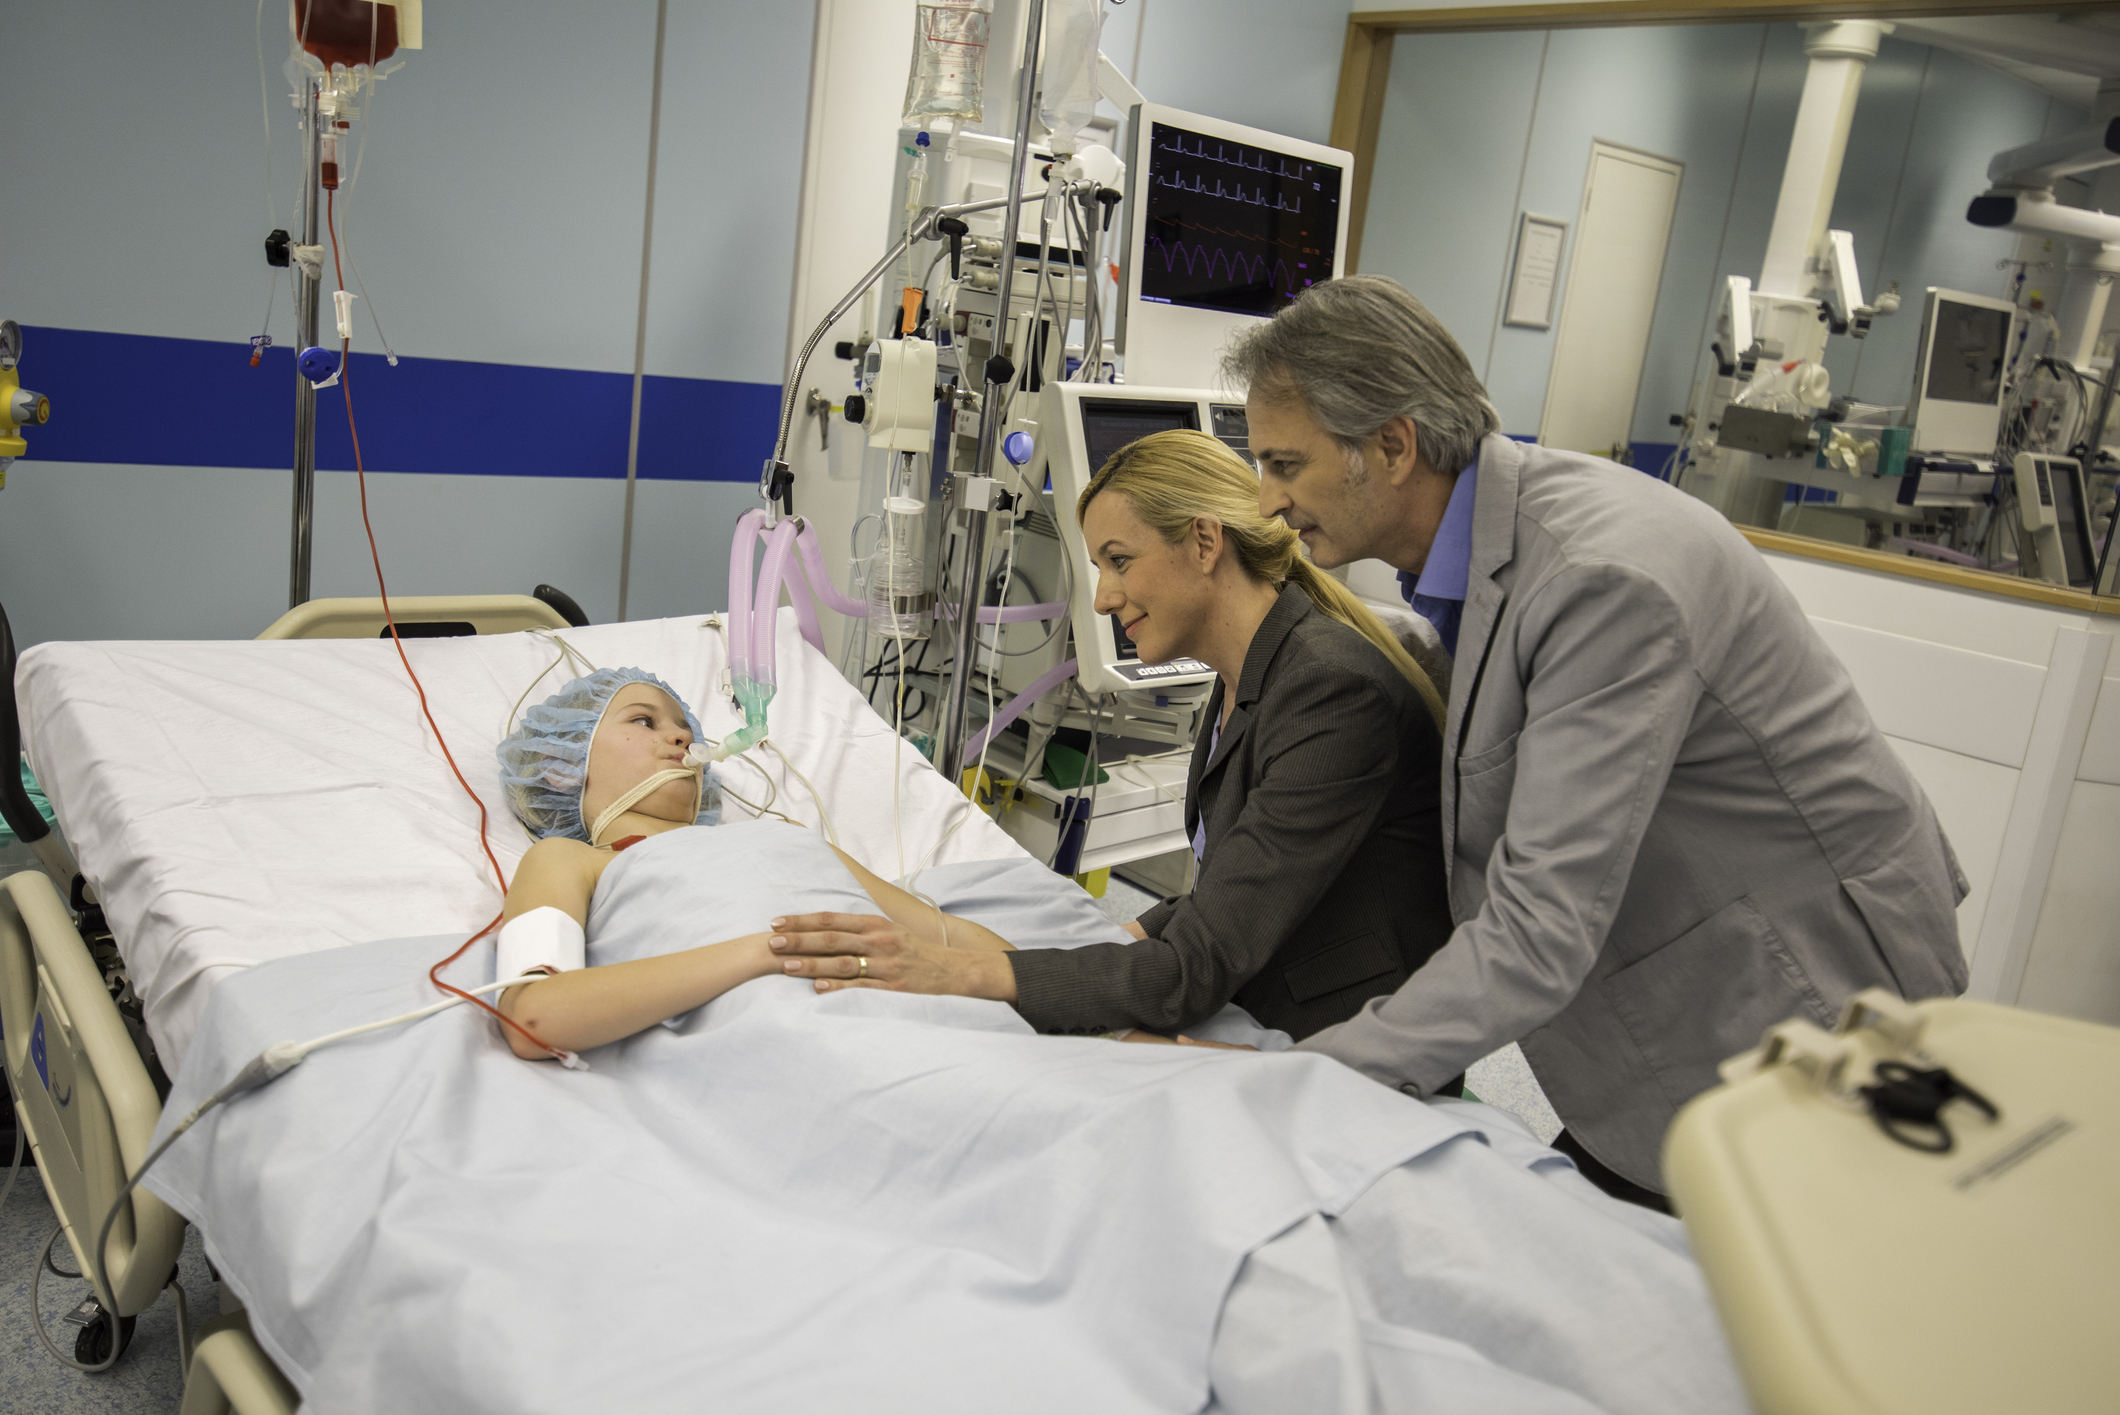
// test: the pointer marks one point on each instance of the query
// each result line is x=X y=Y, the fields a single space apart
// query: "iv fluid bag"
x=1068 y=92
x=948 y=79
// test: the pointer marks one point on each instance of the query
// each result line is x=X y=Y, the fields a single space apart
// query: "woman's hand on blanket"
x=868 y=951
x=1133 y=926
x=1135 y=1034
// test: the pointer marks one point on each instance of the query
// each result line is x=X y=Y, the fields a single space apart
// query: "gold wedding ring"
x=864 y=969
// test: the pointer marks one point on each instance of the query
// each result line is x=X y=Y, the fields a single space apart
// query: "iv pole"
x=305 y=393
x=974 y=492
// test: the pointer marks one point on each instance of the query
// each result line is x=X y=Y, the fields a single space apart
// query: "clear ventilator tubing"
x=792 y=576
x=744 y=668
x=821 y=582
x=755 y=688
x=743 y=553
x=765 y=605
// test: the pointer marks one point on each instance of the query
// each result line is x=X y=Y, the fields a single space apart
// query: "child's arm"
x=588 y=1007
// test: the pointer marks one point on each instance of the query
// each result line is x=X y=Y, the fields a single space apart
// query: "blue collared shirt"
x=1437 y=594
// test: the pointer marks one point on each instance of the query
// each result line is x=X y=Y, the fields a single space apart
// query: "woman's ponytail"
x=1339 y=602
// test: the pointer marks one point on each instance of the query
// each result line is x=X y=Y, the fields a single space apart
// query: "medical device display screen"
x=1966 y=353
x=1232 y=227
x=1108 y=424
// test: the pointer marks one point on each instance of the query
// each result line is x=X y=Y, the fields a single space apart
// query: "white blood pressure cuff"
x=543 y=940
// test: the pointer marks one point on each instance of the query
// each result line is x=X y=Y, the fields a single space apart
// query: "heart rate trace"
x=1233 y=227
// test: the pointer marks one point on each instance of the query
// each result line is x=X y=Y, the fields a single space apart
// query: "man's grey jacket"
x=1668 y=820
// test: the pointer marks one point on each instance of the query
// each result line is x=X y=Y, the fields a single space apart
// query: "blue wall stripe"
x=139 y=399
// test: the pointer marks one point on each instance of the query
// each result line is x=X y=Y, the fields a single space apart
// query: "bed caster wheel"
x=92 y=1346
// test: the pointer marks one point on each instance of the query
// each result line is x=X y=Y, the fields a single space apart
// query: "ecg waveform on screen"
x=1260 y=197
x=1231 y=154
x=1205 y=262
x=1234 y=227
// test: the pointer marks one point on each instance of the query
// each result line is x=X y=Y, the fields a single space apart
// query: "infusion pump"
x=1082 y=425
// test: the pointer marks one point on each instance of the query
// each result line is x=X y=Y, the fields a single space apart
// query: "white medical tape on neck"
x=647 y=788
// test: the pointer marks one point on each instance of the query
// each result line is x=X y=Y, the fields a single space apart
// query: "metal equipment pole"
x=305 y=393
x=975 y=491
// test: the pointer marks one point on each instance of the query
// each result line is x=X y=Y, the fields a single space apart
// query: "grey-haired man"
x=1668 y=820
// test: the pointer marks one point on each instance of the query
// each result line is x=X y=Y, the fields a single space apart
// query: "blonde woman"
x=1312 y=801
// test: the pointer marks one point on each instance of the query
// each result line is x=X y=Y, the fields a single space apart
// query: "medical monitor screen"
x=1108 y=424
x=1233 y=227
x=1966 y=353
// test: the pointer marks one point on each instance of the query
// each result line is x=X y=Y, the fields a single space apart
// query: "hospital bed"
x=95 y=1099
x=292 y=848
x=242 y=803
x=226 y=817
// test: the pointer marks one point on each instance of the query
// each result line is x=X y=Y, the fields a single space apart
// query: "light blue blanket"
x=785 y=1202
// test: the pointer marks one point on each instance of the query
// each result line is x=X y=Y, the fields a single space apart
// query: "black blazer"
x=1323 y=883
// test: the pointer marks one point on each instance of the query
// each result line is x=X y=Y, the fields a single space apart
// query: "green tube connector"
x=752 y=697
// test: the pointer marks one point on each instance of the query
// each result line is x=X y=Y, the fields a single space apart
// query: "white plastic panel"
x=1922 y=609
x=2074 y=967
x=1975 y=704
x=2101 y=751
x=1972 y=798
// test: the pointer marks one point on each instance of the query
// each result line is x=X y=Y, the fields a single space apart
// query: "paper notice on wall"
x=1538 y=267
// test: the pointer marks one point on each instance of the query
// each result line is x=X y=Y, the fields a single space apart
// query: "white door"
x=1603 y=338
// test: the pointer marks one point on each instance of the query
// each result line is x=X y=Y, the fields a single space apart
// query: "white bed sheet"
x=234 y=802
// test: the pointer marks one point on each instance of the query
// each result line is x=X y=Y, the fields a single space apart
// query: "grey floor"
x=1503 y=1080
x=147 y=1379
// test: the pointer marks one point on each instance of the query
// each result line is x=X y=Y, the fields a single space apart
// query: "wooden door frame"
x=1365 y=63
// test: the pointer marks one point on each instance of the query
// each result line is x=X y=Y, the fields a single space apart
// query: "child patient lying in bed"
x=599 y=768
x=1448 y=1261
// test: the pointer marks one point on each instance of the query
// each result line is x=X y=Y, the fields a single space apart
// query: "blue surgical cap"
x=545 y=761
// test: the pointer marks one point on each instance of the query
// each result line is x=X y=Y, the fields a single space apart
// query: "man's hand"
x=868 y=951
x=1133 y=926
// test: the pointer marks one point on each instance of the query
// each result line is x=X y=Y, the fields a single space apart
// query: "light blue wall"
x=1719 y=98
x=497 y=219
x=1940 y=117
x=1274 y=64
x=1442 y=202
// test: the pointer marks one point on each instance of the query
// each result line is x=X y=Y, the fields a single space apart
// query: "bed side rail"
x=229 y=1373
x=83 y=1095
x=16 y=808
x=417 y=616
